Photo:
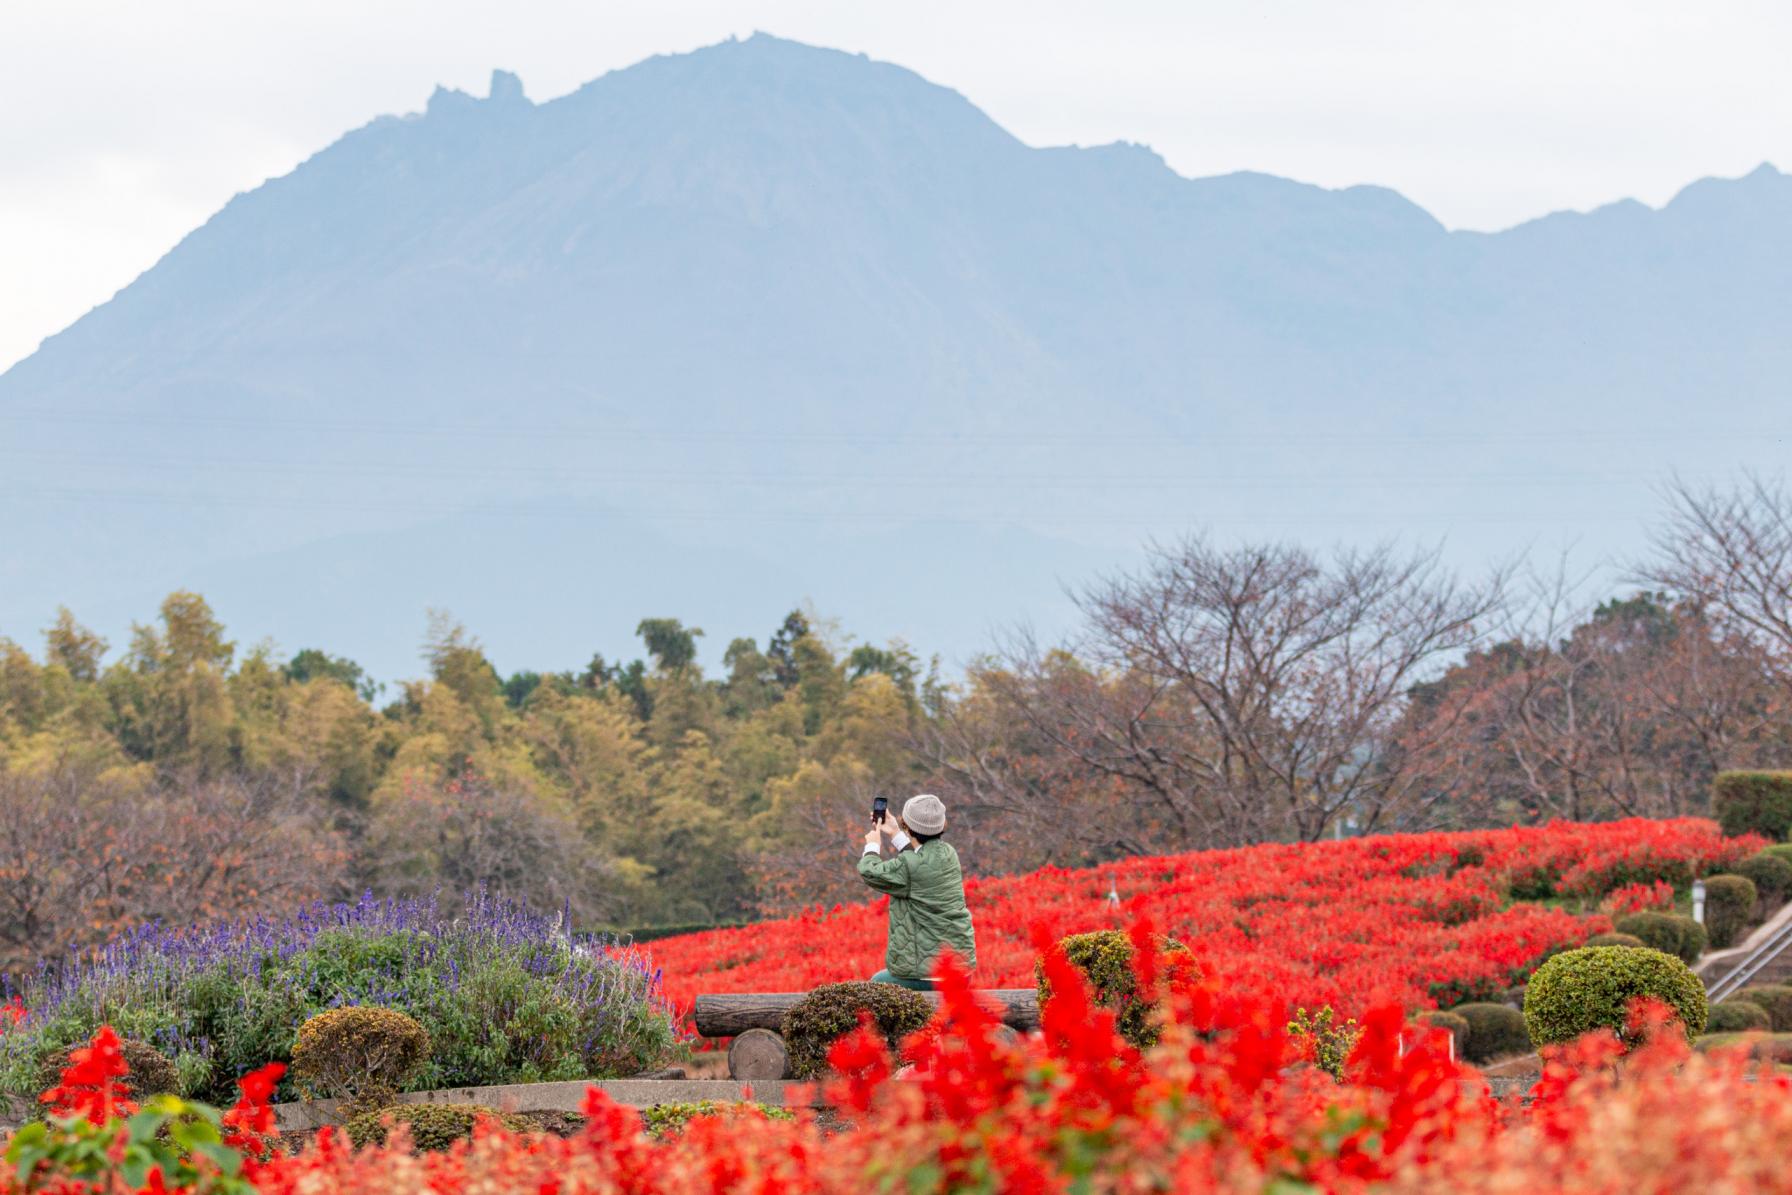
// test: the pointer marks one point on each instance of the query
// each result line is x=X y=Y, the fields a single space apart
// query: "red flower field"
x=1414 y=920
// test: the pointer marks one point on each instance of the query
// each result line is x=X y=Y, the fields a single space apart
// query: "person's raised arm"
x=881 y=874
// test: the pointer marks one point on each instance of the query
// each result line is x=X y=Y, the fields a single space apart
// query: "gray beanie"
x=925 y=814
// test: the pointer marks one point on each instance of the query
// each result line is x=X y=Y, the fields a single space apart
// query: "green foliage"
x=1593 y=988
x=148 y=1070
x=1770 y=873
x=362 y=1055
x=1668 y=932
x=1615 y=939
x=1325 y=1038
x=832 y=1011
x=669 y=1120
x=433 y=1127
x=1729 y=906
x=183 y=1141
x=312 y=664
x=1779 y=850
x=1105 y=959
x=1776 y=998
x=1494 y=1031
x=499 y=1005
x=1737 y=1016
x=1753 y=802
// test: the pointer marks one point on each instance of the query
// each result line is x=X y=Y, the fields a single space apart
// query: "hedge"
x=1753 y=802
x=1776 y=998
x=1494 y=1031
x=1738 y=1016
x=1617 y=939
x=1669 y=933
x=1593 y=988
x=1729 y=907
x=1771 y=875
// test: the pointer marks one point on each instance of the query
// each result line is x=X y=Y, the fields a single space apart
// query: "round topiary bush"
x=1614 y=939
x=1776 y=998
x=433 y=1127
x=832 y=1011
x=1494 y=1031
x=1737 y=1016
x=1455 y=1023
x=1758 y=802
x=1771 y=875
x=1592 y=988
x=1105 y=959
x=1669 y=933
x=361 y=1055
x=1729 y=907
x=1779 y=850
x=148 y=1070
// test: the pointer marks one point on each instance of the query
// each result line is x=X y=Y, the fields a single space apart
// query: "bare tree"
x=1249 y=694
x=1730 y=550
x=83 y=856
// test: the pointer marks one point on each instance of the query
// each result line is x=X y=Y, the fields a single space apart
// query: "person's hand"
x=875 y=837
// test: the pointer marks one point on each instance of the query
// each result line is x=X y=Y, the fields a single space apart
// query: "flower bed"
x=1222 y=1102
x=1415 y=920
x=504 y=995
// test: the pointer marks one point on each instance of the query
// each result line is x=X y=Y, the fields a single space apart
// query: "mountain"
x=764 y=322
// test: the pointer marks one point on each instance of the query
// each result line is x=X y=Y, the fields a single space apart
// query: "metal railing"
x=1751 y=964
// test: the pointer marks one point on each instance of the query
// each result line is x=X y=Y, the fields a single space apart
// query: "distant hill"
x=765 y=322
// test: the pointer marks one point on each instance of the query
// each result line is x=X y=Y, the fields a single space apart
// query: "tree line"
x=1218 y=695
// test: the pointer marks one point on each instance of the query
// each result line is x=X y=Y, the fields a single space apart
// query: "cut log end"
x=758 y=1054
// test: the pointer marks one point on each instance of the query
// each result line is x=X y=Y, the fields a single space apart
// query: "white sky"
x=125 y=123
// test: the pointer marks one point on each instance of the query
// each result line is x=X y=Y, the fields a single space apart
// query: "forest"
x=1221 y=695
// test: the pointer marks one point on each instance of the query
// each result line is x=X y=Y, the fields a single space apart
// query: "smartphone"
x=878 y=805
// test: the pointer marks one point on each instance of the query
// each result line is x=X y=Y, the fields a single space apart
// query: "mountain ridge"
x=787 y=293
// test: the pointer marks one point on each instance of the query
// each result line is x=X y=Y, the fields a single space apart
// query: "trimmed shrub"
x=1592 y=988
x=362 y=1055
x=1455 y=1023
x=1753 y=802
x=1614 y=939
x=1669 y=933
x=1494 y=1031
x=832 y=1011
x=1779 y=850
x=1771 y=875
x=1737 y=1016
x=1105 y=959
x=149 y=1071
x=1776 y=998
x=669 y=1120
x=1729 y=906
x=434 y=1127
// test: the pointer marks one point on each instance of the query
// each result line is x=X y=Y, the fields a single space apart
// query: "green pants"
x=913 y=985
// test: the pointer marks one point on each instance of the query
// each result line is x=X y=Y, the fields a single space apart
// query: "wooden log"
x=728 y=1014
x=758 y=1054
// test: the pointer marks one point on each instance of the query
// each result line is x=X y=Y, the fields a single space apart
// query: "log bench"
x=753 y=1020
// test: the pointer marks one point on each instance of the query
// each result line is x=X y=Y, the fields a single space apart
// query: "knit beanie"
x=925 y=814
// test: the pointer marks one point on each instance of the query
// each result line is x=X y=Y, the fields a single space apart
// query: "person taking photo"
x=907 y=859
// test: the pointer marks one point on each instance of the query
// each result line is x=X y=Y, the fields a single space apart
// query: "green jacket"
x=927 y=911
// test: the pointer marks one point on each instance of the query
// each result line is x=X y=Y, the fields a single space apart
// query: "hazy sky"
x=127 y=123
